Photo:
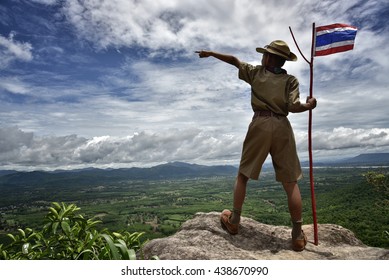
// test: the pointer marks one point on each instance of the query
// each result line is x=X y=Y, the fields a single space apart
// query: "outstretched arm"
x=223 y=57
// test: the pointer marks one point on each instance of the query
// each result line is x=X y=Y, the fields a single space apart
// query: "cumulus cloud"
x=23 y=150
x=343 y=142
x=344 y=138
x=12 y=139
x=20 y=149
x=123 y=84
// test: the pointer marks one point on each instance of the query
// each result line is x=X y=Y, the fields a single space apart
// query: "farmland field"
x=159 y=207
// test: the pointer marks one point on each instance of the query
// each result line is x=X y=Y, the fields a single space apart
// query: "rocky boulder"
x=203 y=238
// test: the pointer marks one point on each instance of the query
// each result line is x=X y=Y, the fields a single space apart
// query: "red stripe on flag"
x=334 y=50
x=332 y=26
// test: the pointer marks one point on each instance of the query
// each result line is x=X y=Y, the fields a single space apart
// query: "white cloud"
x=13 y=138
x=21 y=149
x=162 y=103
x=343 y=138
x=178 y=25
x=11 y=50
x=343 y=142
x=46 y=2
x=14 y=85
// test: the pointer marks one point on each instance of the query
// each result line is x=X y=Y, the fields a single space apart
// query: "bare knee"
x=289 y=186
x=241 y=178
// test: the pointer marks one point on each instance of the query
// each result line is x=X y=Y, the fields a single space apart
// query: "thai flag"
x=334 y=38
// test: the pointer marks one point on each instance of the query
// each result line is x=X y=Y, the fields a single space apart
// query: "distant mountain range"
x=373 y=159
x=173 y=170
x=376 y=158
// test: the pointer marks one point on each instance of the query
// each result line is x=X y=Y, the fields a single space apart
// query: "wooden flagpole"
x=313 y=199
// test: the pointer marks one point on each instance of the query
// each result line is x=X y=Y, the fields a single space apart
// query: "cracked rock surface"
x=203 y=238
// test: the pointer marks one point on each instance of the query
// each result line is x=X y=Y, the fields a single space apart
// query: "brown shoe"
x=298 y=244
x=225 y=221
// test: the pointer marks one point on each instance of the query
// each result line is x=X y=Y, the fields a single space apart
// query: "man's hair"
x=276 y=60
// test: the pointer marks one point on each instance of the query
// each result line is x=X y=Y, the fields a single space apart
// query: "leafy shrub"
x=379 y=180
x=70 y=236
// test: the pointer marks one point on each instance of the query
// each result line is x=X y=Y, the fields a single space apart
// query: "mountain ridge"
x=374 y=159
x=174 y=170
x=170 y=170
x=369 y=158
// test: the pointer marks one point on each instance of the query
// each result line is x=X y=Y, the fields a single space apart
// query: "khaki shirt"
x=269 y=91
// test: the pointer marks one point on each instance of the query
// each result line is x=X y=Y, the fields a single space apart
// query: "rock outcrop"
x=203 y=238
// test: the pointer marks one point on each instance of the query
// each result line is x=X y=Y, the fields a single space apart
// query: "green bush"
x=67 y=235
x=378 y=180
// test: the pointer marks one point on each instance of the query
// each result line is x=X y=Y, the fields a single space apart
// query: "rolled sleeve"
x=294 y=93
x=246 y=72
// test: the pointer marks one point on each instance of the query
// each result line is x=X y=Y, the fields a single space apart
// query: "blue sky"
x=117 y=83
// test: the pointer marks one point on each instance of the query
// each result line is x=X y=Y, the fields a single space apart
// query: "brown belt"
x=266 y=114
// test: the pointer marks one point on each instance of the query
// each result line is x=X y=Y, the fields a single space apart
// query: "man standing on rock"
x=274 y=94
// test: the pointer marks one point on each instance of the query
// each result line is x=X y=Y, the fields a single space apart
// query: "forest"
x=356 y=198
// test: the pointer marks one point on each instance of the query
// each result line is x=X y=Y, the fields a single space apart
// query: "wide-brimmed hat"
x=279 y=48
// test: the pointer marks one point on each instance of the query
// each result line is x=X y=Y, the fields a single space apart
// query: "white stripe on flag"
x=334 y=45
x=338 y=29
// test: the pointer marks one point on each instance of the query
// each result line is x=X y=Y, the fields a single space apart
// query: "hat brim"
x=291 y=57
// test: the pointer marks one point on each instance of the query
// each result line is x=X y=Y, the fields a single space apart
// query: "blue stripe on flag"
x=334 y=37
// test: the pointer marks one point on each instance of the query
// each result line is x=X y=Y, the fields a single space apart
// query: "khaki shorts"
x=272 y=135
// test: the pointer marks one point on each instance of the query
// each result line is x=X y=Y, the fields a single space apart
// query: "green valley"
x=159 y=206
